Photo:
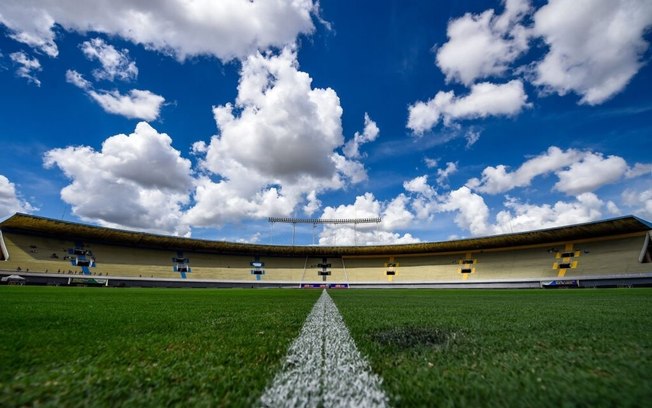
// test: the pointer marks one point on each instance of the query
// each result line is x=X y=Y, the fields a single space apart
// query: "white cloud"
x=351 y=169
x=595 y=47
x=591 y=173
x=424 y=208
x=639 y=169
x=424 y=198
x=114 y=63
x=525 y=217
x=275 y=148
x=473 y=215
x=369 y=134
x=443 y=174
x=226 y=29
x=423 y=116
x=137 y=104
x=419 y=185
x=431 y=163
x=27 y=67
x=137 y=181
x=394 y=214
x=472 y=212
x=639 y=201
x=10 y=201
x=498 y=179
x=483 y=45
x=217 y=203
x=613 y=209
x=279 y=126
x=578 y=172
x=313 y=203
x=471 y=136
x=30 y=24
x=77 y=79
x=485 y=99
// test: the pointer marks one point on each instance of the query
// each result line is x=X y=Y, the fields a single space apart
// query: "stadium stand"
x=36 y=253
x=615 y=250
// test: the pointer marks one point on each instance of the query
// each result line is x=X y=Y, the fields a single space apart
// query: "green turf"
x=159 y=347
x=497 y=348
x=143 y=347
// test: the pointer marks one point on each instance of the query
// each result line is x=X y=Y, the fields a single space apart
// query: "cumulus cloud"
x=483 y=45
x=578 y=172
x=394 y=214
x=591 y=173
x=10 y=201
x=29 y=24
x=27 y=67
x=279 y=126
x=351 y=169
x=473 y=214
x=369 y=134
x=485 y=99
x=276 y=145
x=313 y=203
x=136 y=104
x=595 y=47
x=424 y=197
x=219 y=202
x=419 y=185
x=226 y=29
x=499 y=179
x=479 y=46
x=639 y=201
x=137 y=181
x=115 y=63
x=520 y=216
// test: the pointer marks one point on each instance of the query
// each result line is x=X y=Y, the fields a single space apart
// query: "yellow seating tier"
x=617 y=255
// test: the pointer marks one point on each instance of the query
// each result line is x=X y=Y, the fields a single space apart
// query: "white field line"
x=323 y=367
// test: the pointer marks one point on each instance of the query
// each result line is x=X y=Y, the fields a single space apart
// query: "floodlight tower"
x=316 y=221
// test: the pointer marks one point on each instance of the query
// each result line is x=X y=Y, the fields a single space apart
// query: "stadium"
x=455 y=164
x=614 y=252
x=387 y=339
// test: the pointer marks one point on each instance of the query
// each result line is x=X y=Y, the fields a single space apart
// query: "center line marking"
x=323 y=367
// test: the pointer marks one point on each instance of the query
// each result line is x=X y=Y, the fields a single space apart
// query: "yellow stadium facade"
x=614 y=252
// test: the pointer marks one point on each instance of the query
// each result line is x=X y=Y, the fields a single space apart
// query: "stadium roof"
x=81 y=232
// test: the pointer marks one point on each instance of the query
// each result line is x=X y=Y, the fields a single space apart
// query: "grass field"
x=143 y=347
x=156 y=347
x=506 y=348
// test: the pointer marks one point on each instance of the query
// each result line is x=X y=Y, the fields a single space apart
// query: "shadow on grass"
x=413 y=336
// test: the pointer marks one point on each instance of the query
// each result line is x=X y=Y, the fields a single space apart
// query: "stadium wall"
x=611 y=253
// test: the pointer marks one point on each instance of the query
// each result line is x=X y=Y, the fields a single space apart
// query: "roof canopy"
x=73 y=231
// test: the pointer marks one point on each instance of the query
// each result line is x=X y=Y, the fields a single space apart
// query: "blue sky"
x=446 y=119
